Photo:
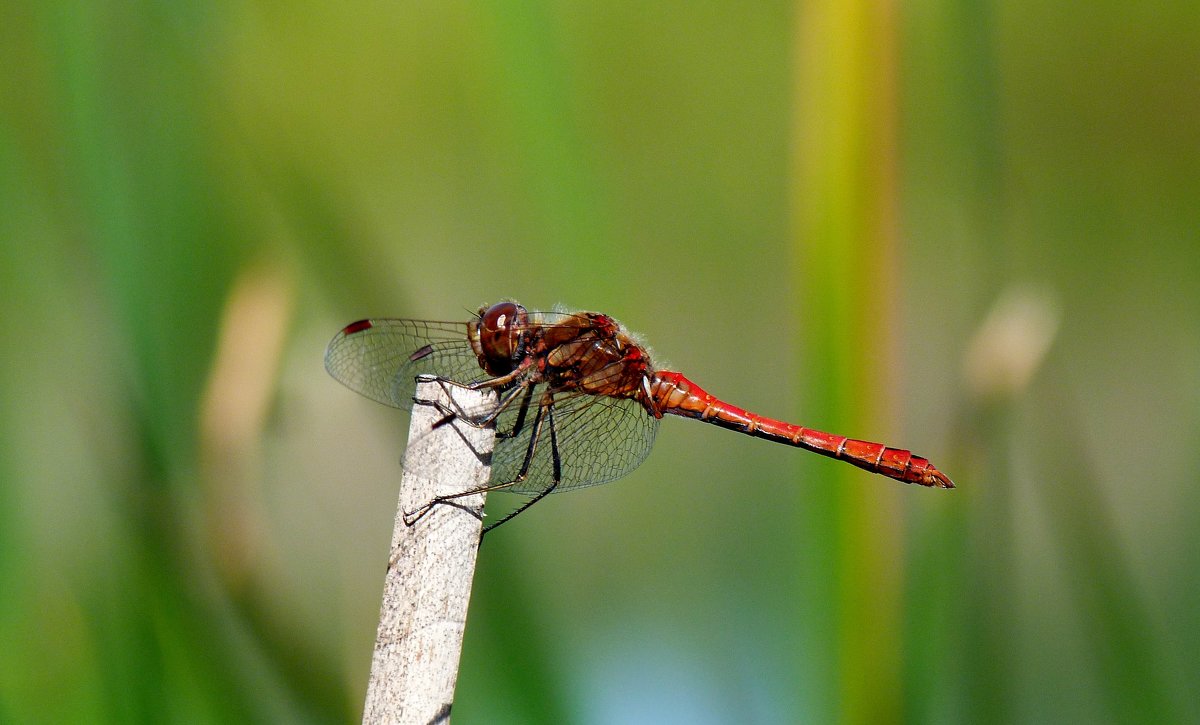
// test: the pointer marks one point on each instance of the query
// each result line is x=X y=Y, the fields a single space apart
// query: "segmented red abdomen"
x=673 y=393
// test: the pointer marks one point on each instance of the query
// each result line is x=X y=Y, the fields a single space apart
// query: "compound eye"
x=499 y=316
x=501 y=328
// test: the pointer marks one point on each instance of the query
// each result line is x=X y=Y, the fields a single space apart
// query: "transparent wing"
x=600 y=439
x=382 y=358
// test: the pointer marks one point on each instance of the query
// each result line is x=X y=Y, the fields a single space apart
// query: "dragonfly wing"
x=381 y=358
x=599 y=439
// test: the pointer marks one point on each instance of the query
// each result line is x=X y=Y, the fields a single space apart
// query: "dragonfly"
x=577 y=398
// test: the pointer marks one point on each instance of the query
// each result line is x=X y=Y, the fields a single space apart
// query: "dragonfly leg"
x=412 y=517
x=539 y=419
x=487 y=384
x=556 y=462
x=519 y=424
x=544 y=415
x=451 y=413
x=503 y=380
x=474 y=421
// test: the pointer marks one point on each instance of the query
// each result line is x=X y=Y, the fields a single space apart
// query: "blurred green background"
x=969 y=229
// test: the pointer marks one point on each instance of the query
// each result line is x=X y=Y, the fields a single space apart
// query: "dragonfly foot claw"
x=410 y=518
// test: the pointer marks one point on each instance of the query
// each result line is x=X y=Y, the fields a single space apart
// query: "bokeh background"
x=970 y=229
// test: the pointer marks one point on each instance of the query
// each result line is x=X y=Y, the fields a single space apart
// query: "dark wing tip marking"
x=423 y=351
x=359 y=326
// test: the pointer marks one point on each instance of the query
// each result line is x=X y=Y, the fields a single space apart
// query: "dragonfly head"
x=498 y=336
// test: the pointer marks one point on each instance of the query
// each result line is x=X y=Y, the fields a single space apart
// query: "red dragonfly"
x=578 y=398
